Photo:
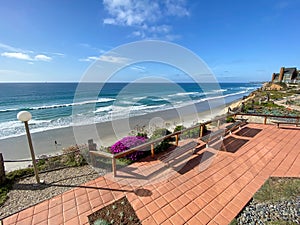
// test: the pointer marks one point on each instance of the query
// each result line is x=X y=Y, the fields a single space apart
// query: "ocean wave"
x=184 y=93
x=16 y=128
x=74 y=104
x=125 y=110
x=100 y=100
x=9 y=110
x=104 y=109
x=139 y=98
x=221 y=96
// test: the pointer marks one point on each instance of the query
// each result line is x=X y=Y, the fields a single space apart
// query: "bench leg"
x=206 y=145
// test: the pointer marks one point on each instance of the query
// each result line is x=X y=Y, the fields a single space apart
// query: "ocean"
x=52 y=104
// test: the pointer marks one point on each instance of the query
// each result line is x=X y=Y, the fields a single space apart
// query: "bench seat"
x=178 y=151
x=286 y=123
x=235 y=125
x=213 y=135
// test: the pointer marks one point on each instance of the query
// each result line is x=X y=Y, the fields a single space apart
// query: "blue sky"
x=57 y=40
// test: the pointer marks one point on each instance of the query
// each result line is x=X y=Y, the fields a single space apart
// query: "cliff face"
x=272 y=87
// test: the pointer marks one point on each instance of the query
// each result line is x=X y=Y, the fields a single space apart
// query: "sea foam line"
x=100 y=100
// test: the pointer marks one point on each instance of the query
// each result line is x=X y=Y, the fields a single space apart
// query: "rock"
x=259 y=213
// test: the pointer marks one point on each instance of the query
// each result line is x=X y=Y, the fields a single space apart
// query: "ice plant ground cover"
x=127 y=143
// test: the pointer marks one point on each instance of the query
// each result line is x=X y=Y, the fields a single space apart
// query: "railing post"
x=2 y=170
x=92 y=158
x=265 y=120
x=218 y=124
x=176 y=139
x=152 y=150
x=201 y=130
x=114 y=166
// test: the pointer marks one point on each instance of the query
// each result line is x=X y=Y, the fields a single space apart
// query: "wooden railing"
x=266 y=116
x=201 y=126
x=151 y=144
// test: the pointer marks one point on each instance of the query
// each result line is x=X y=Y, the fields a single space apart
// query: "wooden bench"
x=213 y=136
x=286 y=123
x=174 y=154
x=235 y=125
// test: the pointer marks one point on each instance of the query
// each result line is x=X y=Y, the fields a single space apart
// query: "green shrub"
x=230 y=119
x=144 y=135
x=101 y=222
x=160 y=132
x=11 y=177
x=17 y=174
x=179 y=128
x=73 y=156
x=4 y=189
x=163 y=145
x=193 y=133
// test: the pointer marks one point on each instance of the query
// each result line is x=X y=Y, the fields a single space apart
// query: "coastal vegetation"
x=273 y=203
x=118 y=212
x=127 y=143
x=71 y=157
x=277 y=188
x=265 y=100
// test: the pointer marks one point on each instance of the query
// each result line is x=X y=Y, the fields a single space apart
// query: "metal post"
x=32 y=152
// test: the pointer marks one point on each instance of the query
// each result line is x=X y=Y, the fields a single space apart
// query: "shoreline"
x=44 y=141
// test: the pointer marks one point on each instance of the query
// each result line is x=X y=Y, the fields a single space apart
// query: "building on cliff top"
x=287 y=75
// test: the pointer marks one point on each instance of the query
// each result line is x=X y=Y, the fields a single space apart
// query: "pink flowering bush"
x=127 y=143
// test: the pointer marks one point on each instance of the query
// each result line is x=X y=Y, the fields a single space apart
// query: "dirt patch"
x=119 y=212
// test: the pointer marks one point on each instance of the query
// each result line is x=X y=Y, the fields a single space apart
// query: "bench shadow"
x=232 y=144
x=192 y=163
x=248 y=132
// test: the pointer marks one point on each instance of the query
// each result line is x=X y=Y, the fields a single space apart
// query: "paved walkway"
x=206 y=188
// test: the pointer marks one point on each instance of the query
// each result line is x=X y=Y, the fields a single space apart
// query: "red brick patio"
x=210 y=187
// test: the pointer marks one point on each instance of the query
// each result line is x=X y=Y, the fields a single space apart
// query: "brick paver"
x=210 y=187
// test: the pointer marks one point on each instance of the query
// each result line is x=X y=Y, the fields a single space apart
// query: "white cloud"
x=89 y=59
x=88 y=46
x=42 y=58
x=16 y=55
x=113 y=59
x=6 y=47
x=106 y=58
x=147 y=16
x=138 y=68
x=23 y=56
